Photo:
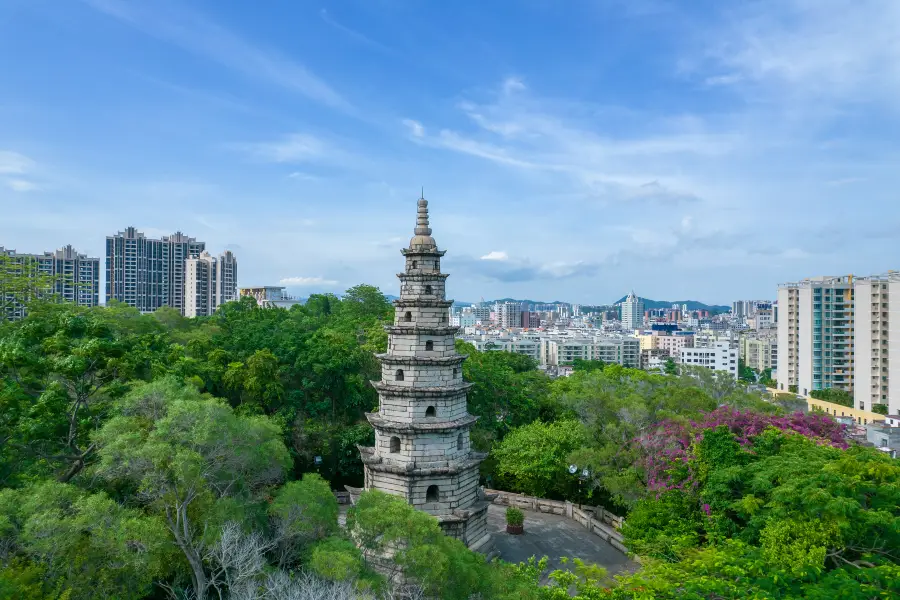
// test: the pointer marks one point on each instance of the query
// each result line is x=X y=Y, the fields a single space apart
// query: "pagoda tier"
x=422 y=449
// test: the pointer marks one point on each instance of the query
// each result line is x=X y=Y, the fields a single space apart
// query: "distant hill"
x=691 y=304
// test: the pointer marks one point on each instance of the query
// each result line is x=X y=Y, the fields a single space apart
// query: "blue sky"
x=570 y=150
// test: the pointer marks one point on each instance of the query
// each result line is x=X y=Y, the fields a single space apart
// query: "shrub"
x=881 y=409
x=336 y=559
x=514 y=516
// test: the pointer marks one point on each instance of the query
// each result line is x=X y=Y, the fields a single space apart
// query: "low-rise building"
x=759 y=351
x=269 y=296
x=718 y=356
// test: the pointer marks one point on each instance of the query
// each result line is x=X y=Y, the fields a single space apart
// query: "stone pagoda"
x=422 y=451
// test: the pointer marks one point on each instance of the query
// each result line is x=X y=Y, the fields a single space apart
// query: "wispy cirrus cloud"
x=831 y=50
x=351 y=33
x=200 y=35
x=17 y=167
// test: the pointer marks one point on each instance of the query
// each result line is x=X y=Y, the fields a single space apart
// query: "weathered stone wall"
x=423 y=449
x=423 y=264
x=454 y=491
x=597 y=520
x=405 y=410
x=426 y=316
x=417 y=289
x=421 y=375
x=406 y=344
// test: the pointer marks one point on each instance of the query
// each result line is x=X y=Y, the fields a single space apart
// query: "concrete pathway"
x=553 y=536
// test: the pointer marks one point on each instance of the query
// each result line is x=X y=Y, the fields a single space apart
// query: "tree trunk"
x=198 y=575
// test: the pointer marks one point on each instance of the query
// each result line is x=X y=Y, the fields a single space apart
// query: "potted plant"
x=514 y=521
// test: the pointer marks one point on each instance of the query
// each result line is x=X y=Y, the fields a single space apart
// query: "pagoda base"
x=470 y=527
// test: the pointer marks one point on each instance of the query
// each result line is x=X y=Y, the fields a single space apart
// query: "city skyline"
x=566 y=154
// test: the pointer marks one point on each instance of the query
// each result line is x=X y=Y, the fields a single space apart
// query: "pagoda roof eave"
x=426 y=392
x=421 y=252
x=428 y=425
x=396 y=359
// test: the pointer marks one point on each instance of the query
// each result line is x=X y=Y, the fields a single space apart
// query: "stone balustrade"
x=595 y=519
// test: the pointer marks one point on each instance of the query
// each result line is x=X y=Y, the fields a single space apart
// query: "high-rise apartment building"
x=147 y=273
x=509 y=314
x=209 y=282
x=815 y=334
x=632 y=312
x=876 y=342
x=75 y=277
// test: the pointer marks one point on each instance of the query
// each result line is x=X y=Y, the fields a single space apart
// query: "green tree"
x=304 y=512
x=195 y=462
x=85 y=543
x=533 y=459
x=670 y=368
x=59 y=369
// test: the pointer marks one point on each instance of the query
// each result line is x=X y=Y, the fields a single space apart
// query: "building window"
x=455 y=372
x=428 y=289
x=459 y=442
x=398 y=376
x=415 y=264
x=429 y=345
x=395 y=445
x=432 y=494
x=430 y=412
x=407 y=317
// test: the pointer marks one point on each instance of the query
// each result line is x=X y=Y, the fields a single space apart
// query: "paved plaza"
x=553 y=536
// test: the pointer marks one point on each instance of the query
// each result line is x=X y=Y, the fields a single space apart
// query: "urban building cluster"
x=556 y=335
x=174 y=271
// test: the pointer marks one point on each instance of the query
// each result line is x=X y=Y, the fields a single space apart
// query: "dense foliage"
x=783 y=510
x=834 y=395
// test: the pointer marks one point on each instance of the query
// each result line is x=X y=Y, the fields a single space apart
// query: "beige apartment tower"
x=877 y=342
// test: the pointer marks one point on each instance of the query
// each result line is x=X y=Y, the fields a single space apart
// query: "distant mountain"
x=691 y=304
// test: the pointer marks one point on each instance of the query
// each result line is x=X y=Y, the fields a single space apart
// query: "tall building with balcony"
x=632 y=312
x=877 y=342
x=509 y=314
x=209 y=282
x=815 y=334
x=146 y=273
x=75 y=277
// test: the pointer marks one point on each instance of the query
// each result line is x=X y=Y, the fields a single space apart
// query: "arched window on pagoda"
x=430 y=412
x=432 y=494
x=395 y=445
x=398 y=376
x=407 y=317
x=429 y=345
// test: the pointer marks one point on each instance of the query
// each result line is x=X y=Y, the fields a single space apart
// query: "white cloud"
x=495 y=255
x=199 y=35
x=21 y=185
x=308 y=281
x=512 y=85
x=293 y=148
x=415 y=128
x=13 y=163
x=811 y=49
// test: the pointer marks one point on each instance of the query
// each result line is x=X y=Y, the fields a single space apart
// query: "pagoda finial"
x=422 y=227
